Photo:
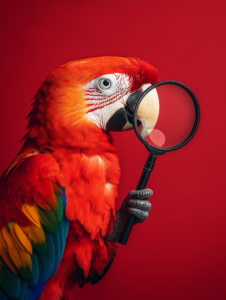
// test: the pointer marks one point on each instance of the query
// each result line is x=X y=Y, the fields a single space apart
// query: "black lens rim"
x=156 y=150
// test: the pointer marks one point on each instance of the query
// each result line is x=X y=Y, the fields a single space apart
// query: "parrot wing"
x=33 y=227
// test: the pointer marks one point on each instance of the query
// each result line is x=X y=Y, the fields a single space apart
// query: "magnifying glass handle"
x=149 y=165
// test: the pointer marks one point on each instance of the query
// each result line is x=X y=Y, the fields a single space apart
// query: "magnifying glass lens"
x=167 y=114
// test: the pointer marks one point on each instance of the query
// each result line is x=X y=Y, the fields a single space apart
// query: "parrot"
x=59 y=226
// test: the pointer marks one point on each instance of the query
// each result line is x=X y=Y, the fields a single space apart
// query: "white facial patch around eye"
x=104 y=102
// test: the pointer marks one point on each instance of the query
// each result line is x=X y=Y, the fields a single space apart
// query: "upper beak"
x=148 y=110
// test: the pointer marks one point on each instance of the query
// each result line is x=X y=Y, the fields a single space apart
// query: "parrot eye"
x=105 y=83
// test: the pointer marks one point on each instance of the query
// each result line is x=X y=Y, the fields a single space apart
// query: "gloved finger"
x=140 y=204
x=140 y=194
x=141 y=215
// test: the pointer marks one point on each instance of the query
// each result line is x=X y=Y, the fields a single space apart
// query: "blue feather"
x=35 y=270
x=65 y=220
x=23 y=290
x=56 y=241
x=40 y=287
x=3 y=295
x=66 y=228
x=64 y=198
x=46 y=260
x=36 y=291
x=61 y=236
x=63 y=228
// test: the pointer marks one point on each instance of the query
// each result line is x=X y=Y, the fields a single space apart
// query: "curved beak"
x=147 y=113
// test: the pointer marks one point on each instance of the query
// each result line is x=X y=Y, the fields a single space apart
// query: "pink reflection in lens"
x=157 y=137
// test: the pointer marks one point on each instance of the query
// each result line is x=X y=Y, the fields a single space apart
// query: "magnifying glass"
x=169 y=115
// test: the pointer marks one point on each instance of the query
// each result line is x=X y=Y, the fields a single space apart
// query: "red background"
x=180 y=251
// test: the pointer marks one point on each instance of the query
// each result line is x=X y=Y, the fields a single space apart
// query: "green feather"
x=59 y=210
x=25 y=272
x=40 y=248
x=48 y=219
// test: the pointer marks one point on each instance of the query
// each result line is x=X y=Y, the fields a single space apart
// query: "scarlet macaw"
x=58 y=220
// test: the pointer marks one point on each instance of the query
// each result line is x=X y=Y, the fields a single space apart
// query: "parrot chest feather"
x=91 y=189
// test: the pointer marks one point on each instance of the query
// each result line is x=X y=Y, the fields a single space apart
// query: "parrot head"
x=91 y=95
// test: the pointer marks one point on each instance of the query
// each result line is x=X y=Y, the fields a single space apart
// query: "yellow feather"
x=5 y=255
x=17 y=243
x=32 y=213
x=20 y=258
x=35 y=234
x=22 y=239
x=7 y=238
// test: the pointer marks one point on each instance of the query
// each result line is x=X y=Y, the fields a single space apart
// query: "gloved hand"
x=135 y=204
